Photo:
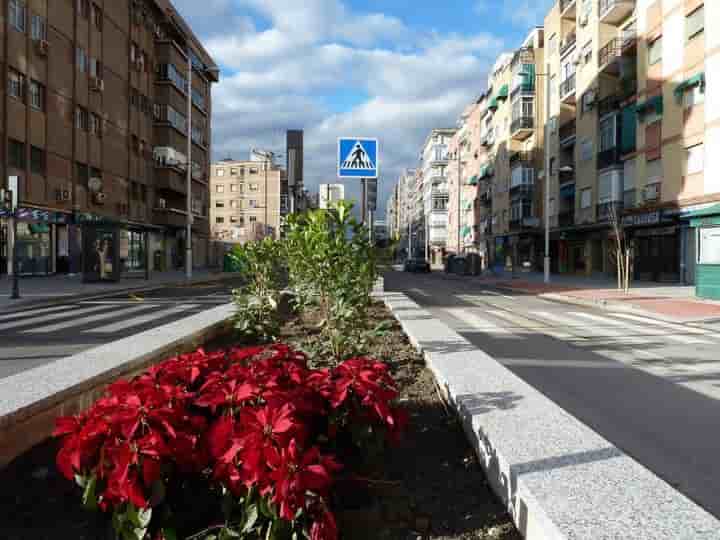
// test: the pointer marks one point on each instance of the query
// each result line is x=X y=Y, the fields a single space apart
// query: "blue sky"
x=390 y=69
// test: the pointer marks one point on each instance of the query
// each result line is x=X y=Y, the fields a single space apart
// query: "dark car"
x=417 y=265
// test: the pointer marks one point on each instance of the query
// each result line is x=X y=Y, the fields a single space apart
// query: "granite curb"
x=22 y=305
x=559 y=479
x=31 y=400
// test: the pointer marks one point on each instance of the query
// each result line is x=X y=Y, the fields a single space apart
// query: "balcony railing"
x=522 y=191
x=567 y=89
x=613 y=50
x=568 y=131
x=608 y=105
x=522 y=127
x=569 y=7
x=568 y=43
x=615 y=11
x=522 y=157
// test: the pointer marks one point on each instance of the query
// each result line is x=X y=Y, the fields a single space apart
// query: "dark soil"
x=430 y=487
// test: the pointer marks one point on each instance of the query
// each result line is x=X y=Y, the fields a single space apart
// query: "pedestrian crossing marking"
x=472 y=320
x=672 y=326
x=50 y=318
x=358 y=159
x=31 y=312
x=86 y=320
x=646 y=331
x=137 y=321
x=533 y=325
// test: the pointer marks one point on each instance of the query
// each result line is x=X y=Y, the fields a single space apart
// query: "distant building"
x=330 y=193
x=294 y=155
x=380 y=232
x=245 y=198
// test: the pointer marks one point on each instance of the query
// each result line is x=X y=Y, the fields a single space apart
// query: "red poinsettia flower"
x=324 y=527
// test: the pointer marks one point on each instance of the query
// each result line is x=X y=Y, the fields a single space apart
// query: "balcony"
x=527 y=222
x=521 y=128
x=567 y=44
x=486 y=199
x=608 y=105
x=609 y=210
x=525 y=158
x=175 y=217
x=488 y=140
x=566 y=218
x=610 y=55
x=568 y=90
x=568 y=9
x=567 y=134
x=608 y=158
x=615 y=11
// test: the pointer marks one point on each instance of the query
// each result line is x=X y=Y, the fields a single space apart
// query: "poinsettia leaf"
x=81 y=480
x=251 y=519
x=227 y=534
x=89 y=498
x=169 y=533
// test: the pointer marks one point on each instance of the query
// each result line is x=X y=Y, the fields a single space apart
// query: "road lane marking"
x=86 y=320
x=476 y=322
x=143 y=319
x=49 y=318
x=533 y=325
x=685 y=340
x=672 y=326
x=32 y=312
x=420 y=292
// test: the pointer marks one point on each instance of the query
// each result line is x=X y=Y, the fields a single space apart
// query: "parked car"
x=417 y=265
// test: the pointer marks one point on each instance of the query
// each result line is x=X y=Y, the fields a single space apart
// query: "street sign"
x=358 y=157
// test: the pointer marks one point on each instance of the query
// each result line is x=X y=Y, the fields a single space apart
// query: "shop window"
x=132 y=250
x=709 y=245
x=37 y=160
x=16 y=154
x=16 y=84
x=695 y=23
x=37 y=95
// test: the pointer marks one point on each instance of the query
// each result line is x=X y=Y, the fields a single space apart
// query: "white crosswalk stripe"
x=137 y=321
x=483 y=325
x=533 y=325
x=644 y=330
x=87 y=320
x=50 y=318
x=26 y=313
x=671 y=326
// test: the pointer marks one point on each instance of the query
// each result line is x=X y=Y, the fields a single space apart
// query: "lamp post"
x=188 y=179
x=459 y=191
x=546 y=143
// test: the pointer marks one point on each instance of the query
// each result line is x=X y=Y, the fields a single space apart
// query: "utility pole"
x=363 y=204
x=265 y=228
x=547 y=175
x=189 y=217
x=9 y=199
x=459 y=190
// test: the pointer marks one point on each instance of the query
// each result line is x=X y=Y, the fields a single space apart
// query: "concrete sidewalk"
x=675 y=303
x=56 y=289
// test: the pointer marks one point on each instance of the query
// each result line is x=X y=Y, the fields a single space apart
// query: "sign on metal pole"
x=358 y=157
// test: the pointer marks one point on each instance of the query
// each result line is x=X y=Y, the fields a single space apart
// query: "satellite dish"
x=95 y=184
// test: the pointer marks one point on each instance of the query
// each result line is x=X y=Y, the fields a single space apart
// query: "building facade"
x=246 y=199
x=95 y=133
x=328 y=194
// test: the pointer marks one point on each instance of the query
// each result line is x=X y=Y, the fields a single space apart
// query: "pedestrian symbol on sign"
x=357 y=158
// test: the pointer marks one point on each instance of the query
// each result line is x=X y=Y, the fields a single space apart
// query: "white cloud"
x=283 y=68
x=522 y=13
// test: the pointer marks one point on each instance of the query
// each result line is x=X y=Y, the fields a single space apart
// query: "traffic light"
x=372 y=185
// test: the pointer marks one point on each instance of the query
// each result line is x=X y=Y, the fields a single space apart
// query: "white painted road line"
x=533 y=325
x=49 y=318
x=86 y=320
x=644 y=330
x=671 y=326
x=476 y=322
x=29 y=312
x=137 y=321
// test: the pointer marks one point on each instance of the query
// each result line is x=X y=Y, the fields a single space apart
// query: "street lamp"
x=188 y=178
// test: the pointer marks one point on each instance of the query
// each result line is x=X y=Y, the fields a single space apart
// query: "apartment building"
x=95 y=133
x=328 y=194
x=392 y=214
x=245 y=199
x=630 y=123
x=432 y=194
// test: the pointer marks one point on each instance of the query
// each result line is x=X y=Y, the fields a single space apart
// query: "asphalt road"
x=651 y=388
x=38 y=336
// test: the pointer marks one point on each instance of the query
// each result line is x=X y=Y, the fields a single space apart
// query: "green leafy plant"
x=257 y=318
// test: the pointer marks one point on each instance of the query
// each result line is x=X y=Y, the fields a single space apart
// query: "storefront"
x=706 y=223
x=656 y=246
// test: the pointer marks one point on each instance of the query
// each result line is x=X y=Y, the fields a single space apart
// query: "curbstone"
x=559 y=479
x=33 y=399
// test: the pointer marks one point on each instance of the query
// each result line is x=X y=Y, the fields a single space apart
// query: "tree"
x=620 y=255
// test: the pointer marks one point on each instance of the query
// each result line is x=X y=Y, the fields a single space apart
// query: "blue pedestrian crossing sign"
x=357 y=157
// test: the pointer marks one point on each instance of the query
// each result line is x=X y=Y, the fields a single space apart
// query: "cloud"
x=521 y=13
x=284 y=62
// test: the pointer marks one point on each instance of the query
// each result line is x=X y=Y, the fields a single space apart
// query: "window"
x=552 y=166
x=220 y=188
x=695 y=23
x=16 y=154
x=219 y=204
x=552 y=211
x=233 y=171
x=17 y=13
x=233 y=219
x=607 y=134
x=133 y=52
x=654 y=171
x=586 y=150
x=588 y=101
x=253 y=186
x=96 y=16
x=252 y=219
x=96 y=68
x=252 y=204
x=234 y=204
x=37 y=160
x=220 y=172
x=81 y=118
x=219 y=220
x=694 y=96
x=586 y=198
x=553 y=44
x=253 y=170
x=587 y=53
x=709 y=245
x=553 y=85
x=610 y=187
x=37 y=95
x=16 y=84
x=95 y=125
x=695 y=159
x=233 y=187
x=83 y=8
x=82 y=173
x=168 y=72
x=82 y=60
x=38 y=28
x=655 y=51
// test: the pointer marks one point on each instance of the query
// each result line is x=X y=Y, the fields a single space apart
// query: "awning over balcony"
x=629 y=129
x=527 y=76
x=466 y=231
x=504 y=92
x=473 y=181
x=493 y=105
x=567 y=191
x=706 y=216
x=485 y=171
x=654 y=104
x=467 y=205
x=697 y=80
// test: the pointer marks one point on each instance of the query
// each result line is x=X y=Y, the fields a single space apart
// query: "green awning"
x=467 y=205
x=527 y=72
x=697 y=80
x=493 y=105
x=706 y=216
x=39 y=228
x=504 y=92
x=486 y=171
x=466 y=230
x=473 y=181
x=653 y=104
x=628 y=129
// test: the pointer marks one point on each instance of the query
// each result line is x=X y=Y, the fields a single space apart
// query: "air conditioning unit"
x=62 y=195
x=42 y=47
x=97 y=84
x=162 y=203
x=651 y=193
x=99 y=198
